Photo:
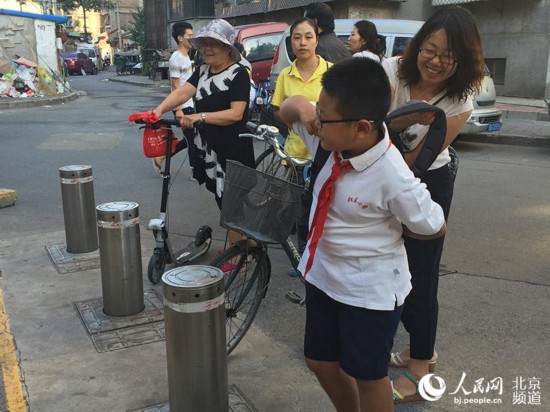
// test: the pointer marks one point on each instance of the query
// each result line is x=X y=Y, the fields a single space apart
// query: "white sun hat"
x=219 y=30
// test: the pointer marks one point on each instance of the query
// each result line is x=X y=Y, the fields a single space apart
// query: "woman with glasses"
x=443 y=65
x=364 y=41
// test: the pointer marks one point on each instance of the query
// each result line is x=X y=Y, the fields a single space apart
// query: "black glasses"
x=323 y=122
x=431 y=54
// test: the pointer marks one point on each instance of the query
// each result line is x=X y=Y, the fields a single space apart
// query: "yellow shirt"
x=290 y=83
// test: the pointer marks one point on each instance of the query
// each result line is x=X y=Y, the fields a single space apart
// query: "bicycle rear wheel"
x=270 y=163
x=246 y=275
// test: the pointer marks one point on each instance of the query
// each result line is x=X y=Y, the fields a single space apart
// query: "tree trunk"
x=85 y=26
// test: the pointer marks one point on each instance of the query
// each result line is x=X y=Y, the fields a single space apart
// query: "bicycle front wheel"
x=246 y=275
x=270 y=163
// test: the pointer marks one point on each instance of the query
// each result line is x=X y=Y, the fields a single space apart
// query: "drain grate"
x=109 y=333
x=66 y=262
x=237 y=403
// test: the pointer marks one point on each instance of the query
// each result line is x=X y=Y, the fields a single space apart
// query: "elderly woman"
x=221 y=88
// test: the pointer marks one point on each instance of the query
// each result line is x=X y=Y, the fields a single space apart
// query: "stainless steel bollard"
x=120 y=257
x=194 y=316
x=77 y=194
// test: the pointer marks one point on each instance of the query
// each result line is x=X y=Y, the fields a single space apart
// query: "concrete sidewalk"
x=65 y=368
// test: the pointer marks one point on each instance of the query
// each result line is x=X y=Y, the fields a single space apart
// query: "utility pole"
x=117 y=15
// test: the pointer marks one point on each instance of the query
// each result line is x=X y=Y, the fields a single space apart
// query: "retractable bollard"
x=77 y=193
x=194 y=316
x=120 y=257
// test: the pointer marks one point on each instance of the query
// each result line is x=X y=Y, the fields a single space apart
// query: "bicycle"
x=164 y=253
x=263 y=207
x=248 y=268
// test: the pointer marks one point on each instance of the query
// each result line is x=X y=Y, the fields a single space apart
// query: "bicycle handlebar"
x=268 y=134
x=167 y=122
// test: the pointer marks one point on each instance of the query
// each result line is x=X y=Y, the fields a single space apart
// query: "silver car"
x=486 y=117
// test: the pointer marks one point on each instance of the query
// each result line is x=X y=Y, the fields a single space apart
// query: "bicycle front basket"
x=258 y=205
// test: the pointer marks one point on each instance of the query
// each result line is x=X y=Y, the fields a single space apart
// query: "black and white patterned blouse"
x=216 y=144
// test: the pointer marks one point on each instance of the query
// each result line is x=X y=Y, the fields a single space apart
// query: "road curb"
x=138 y=83
x=514 y=140
x=40 y=101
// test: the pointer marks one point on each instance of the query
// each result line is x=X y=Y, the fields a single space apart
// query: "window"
x=497 y=67
x=399 y=45
x=261 y=47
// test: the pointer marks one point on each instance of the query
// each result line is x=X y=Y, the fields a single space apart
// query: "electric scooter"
x=163 y=253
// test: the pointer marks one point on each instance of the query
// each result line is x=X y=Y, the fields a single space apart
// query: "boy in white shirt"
x=355 y=263
x=180 y=69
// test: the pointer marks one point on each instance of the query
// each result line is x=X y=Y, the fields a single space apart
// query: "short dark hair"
x=375 y=43
x=322 y=13
x=463 y=40
x=361 y=88
x=179 y=28
x=304 y=20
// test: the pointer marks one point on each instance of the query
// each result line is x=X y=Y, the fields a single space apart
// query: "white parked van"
x=398 y=33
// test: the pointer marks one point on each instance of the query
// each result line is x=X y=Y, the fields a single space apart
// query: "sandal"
x=397 y=362
x=415 y=397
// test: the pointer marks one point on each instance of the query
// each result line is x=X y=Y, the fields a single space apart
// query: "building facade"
x=515 y=34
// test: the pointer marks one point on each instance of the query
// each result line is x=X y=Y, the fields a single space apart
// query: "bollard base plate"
x=237 y=403
x=66 y=262
x=109 y=333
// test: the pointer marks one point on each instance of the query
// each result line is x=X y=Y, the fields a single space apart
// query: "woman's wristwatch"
x=203 y=118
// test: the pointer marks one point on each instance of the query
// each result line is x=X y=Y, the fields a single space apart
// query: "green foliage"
x=138 y=31
x=95 y=5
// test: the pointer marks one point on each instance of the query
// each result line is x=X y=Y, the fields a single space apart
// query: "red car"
x=75 y=63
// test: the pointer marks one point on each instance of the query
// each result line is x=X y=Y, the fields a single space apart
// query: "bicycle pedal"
x=295 y=297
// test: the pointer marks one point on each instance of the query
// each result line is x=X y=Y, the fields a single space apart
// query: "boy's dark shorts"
x=359 y=339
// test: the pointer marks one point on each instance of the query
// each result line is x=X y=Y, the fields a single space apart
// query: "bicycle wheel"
x=268 y=162
x=246 y=275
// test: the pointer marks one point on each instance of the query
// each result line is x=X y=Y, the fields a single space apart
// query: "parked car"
x=260 y=42
x=94 y=53
x=78 y=62
x=485 y=117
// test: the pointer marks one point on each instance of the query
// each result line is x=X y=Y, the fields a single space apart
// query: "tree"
x=94 y=5
x=138 y=31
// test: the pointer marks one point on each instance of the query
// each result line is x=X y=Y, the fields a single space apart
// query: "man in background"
x=180 y=69
x=330 y=47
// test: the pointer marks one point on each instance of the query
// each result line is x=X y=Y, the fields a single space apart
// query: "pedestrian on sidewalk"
x=221 y=88
x=302 y=77
x=180 y=68
x=443 y=65
x=329 y=47
x=355 y=264
x=364 y=41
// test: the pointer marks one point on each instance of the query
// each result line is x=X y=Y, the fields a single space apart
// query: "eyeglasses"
x=431 y=54
x=210 y=43
x=323 y=122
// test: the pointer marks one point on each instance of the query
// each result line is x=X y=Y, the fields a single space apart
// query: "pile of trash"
x=25 y=79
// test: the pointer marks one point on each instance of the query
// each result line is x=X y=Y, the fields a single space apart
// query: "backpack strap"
x=434 y=140
x=321 y=156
